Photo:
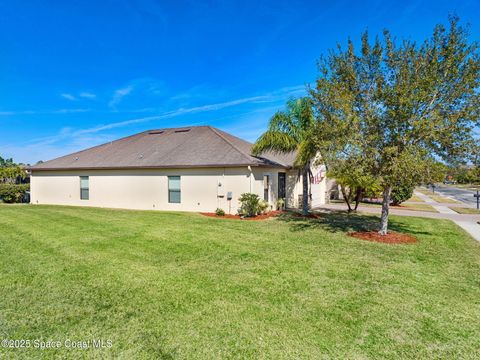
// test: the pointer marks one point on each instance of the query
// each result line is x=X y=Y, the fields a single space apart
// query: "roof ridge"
x=177 y=128
x=216 y=131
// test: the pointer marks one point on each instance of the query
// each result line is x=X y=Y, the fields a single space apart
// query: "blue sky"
x=74 y=74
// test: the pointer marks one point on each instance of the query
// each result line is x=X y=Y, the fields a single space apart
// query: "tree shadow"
x=342 y=221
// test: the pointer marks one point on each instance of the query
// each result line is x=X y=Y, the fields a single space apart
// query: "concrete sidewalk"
x=467 y=222
x=442 y=209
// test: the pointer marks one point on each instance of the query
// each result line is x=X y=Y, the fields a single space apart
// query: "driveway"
x=463 y=195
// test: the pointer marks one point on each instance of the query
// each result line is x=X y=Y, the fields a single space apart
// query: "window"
x=174 y=189
x=266 y=180
x=282 y=182
x=84 y=188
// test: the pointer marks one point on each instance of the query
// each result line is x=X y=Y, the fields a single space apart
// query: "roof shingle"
x=195 y=146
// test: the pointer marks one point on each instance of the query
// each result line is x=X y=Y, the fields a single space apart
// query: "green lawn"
x=417 y=207
x=404 y=206
x=180 y=285
x=415 y=198
x=462 y=210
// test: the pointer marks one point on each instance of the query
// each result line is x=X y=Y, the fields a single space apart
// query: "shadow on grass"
x=342 y=221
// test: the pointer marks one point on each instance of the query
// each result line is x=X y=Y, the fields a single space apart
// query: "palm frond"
x=275 y=141
x=301 y=112
x=306 y=153
x=284 y=122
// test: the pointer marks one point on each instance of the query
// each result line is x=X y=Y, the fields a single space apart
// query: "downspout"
x=250 y=177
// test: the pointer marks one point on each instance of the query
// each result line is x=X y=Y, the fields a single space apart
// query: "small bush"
x=249 y=204
x=280 y=204
x=401 y=193
x=219 y=212
x=13 y=193
x=262 y=206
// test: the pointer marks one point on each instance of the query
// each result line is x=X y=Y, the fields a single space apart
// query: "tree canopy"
x=395 y=107
x=10 y=172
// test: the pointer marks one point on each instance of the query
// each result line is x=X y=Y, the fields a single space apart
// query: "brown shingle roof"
x=195 y=146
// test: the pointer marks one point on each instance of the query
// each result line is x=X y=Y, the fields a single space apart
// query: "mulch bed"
x=237 y=217
x=390 y=238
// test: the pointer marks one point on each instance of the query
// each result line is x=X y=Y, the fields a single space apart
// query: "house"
x=197 y=168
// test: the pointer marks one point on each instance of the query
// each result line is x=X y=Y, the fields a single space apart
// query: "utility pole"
x=477 y=195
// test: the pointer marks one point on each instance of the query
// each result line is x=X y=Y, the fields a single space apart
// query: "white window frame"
x=174 y=190
x=82 y=188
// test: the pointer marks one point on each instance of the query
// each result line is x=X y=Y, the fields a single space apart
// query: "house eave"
x=80 y=168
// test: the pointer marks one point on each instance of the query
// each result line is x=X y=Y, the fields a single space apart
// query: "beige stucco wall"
x=148 y=189
x=202 y=189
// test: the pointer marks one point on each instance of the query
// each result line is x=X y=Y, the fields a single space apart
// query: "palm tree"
x=292 y=130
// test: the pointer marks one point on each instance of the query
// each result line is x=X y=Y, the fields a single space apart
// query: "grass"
x=417 y=207
x=415 y=198
x=462 y=210
x=180 y=285
x=443 y=199
x=404 y=206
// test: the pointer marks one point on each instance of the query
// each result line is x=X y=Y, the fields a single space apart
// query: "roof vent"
x=153 y=132
x=182 y=130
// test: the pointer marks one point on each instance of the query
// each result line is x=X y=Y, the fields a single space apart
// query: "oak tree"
x=398 y=105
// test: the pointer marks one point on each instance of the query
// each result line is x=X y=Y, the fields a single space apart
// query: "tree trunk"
x=358 y=197
x=385 y=209
x=346 y=197
x=305 y=192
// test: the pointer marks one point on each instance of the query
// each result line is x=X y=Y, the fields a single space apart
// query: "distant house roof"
x=195 y=146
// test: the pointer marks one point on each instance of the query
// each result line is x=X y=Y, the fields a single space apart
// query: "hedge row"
x=13 y=193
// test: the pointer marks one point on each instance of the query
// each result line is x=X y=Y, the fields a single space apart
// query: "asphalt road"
x=463 y=195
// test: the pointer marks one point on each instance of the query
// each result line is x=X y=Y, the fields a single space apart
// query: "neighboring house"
x=198 y=168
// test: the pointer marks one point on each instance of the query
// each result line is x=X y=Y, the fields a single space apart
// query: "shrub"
x=219 y=212
x=13 y=193
x=249 y=204
x=262 y=206
x=280 y=204
x=401 y=193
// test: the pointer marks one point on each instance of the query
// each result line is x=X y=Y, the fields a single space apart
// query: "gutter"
x=32 y=169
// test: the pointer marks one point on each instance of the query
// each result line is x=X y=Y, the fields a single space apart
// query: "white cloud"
x=87 y=95
x=144 y=88
x=119 y=94
x=69 y=111
x=68 y=96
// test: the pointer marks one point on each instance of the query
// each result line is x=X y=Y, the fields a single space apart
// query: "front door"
x=281 y=185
